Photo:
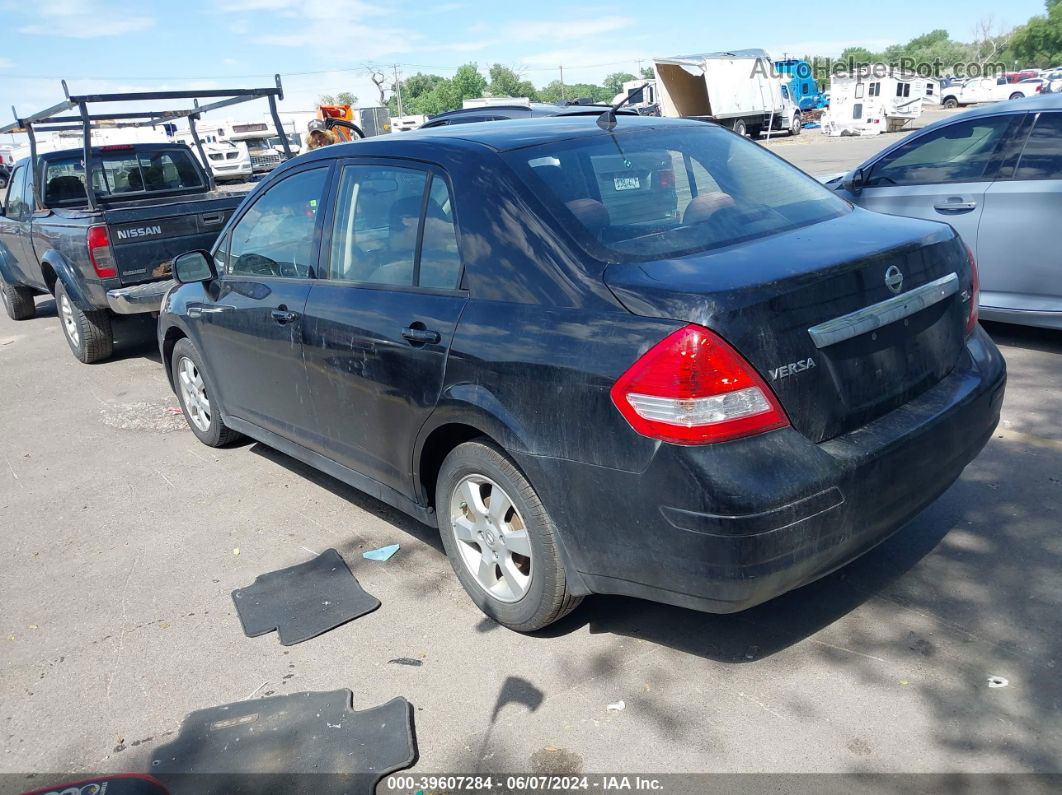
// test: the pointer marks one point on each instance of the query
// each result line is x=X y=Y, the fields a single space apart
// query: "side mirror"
x=855 y=182
x=194 y=266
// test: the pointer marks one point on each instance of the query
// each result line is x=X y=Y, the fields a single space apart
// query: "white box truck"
x=738 y=89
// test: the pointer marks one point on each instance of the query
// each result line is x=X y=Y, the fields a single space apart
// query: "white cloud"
x=82 y=19
x=528 y=30
x=6 y=63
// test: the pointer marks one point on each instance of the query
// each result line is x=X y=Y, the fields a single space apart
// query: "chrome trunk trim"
x=888 y=311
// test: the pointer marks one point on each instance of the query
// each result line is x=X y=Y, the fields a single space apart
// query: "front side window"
x=961 y=152
x=1042 y=156
x=903 y=89
x=381 y=214
x=647 y=194
x=277 y=236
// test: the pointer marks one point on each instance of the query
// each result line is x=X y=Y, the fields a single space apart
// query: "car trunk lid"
x=812 y=311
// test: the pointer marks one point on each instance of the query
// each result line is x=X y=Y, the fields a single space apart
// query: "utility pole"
x=563 y=96
x=398 y=92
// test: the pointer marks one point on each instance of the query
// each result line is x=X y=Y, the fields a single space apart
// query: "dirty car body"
x=715 y=403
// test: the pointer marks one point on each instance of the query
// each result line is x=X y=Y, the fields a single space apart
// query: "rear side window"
x=961 y=152
x=1042 y=156
x=382 y=212
x=655 y=193
x=276 y=237
x=122 y=171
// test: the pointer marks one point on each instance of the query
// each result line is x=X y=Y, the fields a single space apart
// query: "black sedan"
x=654 y=360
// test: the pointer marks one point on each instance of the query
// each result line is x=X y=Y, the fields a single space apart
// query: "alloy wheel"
x=69 y=321
x=492 y=538
x=194 y=394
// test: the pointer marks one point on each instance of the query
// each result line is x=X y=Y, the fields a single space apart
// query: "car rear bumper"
x=138 y=298
x=725 y=527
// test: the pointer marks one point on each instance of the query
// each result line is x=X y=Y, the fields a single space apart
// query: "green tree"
x=648 y=73
x=429 y=95
x=1039 y=41
x=556 y=93
x=614 y=82
x=505 y=82
x=342 y=98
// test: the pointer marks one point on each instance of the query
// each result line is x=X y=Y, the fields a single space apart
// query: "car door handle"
x=421 y=336
x=954 y=205
x=283 y=316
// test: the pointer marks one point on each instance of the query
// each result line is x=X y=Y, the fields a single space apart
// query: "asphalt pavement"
x=123 y=538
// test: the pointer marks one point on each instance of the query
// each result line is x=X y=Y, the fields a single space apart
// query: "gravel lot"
x=124 y=538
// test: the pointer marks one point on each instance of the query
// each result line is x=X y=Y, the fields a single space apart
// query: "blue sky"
x=322 y=46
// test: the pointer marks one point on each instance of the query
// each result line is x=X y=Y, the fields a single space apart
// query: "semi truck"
x=739 y=89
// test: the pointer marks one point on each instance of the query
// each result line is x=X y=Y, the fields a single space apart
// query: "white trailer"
x=875 y=99
x=739 y=89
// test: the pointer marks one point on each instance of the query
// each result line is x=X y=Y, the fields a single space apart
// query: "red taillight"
x=975 y=293
x=117 y=148
x=693 y=388
x=665 y=179
x=100 y=254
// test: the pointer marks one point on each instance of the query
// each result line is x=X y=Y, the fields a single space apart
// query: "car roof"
x=514 y=133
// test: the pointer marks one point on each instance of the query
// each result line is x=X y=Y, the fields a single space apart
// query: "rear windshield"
x=649 y=194
x=120 y=172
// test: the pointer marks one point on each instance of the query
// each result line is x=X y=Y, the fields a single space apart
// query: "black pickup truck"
x=111 y=255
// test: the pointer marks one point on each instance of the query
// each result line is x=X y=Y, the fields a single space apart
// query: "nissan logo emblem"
x=893 y=278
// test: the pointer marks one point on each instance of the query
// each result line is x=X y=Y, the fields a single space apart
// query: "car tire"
x=532 y=592
x=951 y=103
x=18 y=301
x=797 y=125
x=1017 y=95
x=739 y=127
x=190 y=384
x=88 y=334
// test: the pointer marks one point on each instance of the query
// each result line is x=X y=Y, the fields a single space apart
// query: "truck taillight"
x=975 y=293
x=100 y=253
x=693 y=388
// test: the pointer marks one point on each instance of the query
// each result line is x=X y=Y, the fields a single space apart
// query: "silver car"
x=995 y=174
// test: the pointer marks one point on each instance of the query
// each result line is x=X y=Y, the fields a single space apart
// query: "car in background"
x=1052 y=82
x=499 y=331
x=994 y=174
x=5 y=175
x=985 y=89
x=533 y=110
x=1031 y=85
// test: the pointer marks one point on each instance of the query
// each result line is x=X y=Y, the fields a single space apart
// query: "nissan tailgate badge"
x=894 y=278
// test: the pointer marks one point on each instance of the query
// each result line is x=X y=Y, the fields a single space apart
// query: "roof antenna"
x=607 y=120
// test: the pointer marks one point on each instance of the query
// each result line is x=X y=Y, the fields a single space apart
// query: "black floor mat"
x=305 y=742
x=302 y=601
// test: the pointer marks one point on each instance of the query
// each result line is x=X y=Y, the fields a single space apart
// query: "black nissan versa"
x=654 y=361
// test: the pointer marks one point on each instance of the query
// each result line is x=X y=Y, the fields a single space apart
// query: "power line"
x=171 y=78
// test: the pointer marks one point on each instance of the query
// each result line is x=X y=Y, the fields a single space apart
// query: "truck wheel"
x=186 y=367
x=739 y=127
x=797 y=125
x=18 y=301
x=500 y=540
x=88 y=333
x=951 y=103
